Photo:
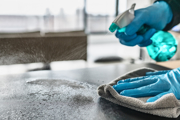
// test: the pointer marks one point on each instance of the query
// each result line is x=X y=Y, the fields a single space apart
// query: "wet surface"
x=48 y=99
x=64 y=95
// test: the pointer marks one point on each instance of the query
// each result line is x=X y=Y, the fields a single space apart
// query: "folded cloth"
x=166 y=106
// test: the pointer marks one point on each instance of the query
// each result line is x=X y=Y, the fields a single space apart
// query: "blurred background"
x=64 y=35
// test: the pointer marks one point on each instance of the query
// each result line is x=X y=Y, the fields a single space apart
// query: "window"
x=48 y=15
x=100 y=14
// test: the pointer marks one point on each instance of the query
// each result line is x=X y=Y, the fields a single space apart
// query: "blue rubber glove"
x=151 y=85
x=157 y=16
x=157 y=73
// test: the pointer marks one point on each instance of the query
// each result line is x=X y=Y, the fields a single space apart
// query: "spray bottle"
x=163 y=46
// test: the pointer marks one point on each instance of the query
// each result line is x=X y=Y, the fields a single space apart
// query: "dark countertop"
x=65 y=95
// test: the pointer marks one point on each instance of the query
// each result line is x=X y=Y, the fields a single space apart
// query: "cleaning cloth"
x=166 y=106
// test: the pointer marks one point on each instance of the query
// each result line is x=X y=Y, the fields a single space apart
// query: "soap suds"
x=83 y=100
x=56 y=83
x=49 y=99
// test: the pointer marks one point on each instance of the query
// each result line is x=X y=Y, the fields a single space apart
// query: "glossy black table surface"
x=65 y=95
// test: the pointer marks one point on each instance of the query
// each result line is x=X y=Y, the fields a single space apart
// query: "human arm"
x=175 y=8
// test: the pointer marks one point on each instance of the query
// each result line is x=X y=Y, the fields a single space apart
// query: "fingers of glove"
x=132 y=79
x=149 y=34
x=157 y=73
x=124 y=37
x=118 y=34
x=145 y=44
x=137 y=22
x=146 y=37
x=149 y=90
x=153 y=99
x=134 y=84
x=175 y=72
x=133 y=42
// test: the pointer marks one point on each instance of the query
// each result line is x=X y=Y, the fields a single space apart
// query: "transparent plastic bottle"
x=163 y=46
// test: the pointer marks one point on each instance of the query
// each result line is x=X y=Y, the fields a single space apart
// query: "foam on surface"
x=47 y=98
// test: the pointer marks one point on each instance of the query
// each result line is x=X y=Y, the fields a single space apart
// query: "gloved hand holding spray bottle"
x=142 y=27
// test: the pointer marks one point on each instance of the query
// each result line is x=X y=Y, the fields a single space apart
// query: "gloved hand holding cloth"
x=146 y=90
x=154 y=84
